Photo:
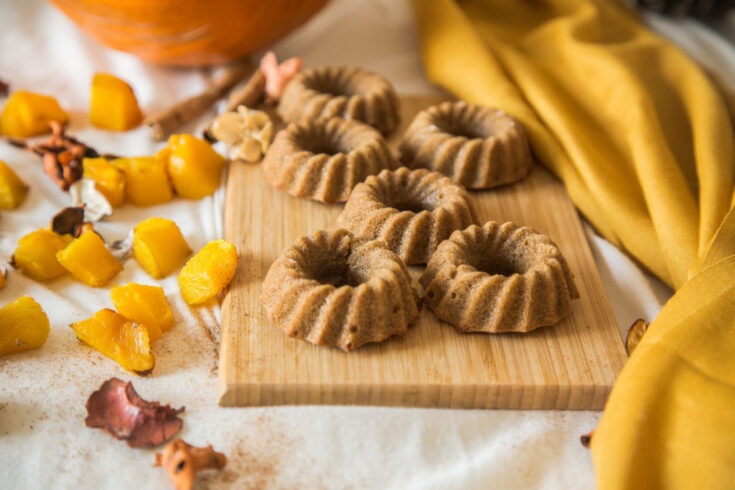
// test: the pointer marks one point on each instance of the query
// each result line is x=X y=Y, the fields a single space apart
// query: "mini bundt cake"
x=498 y=278
x=324 y=159
x=411 y=210
x=347 y=92
x=330 y=288
x=476 y=146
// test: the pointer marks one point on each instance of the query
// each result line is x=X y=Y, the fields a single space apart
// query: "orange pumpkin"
x=188 y=32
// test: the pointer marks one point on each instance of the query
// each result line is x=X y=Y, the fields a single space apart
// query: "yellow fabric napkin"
x=644 y=144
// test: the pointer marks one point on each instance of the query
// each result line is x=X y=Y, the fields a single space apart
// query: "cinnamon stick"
x=166 y=121
x=250 y=94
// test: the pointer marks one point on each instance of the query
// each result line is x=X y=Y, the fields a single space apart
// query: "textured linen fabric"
x=644 y=144
x=43 y=440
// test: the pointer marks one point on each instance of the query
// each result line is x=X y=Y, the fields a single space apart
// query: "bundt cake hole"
x=335 y=271
x=331 y=86
x=319 y=143
x=497 y=265
x=415 y=206
x=412 y=202
x=462 y=128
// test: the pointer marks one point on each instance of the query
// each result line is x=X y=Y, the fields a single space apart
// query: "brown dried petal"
x=68 y=221
x=4 y=89
x=635 y=334
x=116 y=408
x=183 y=461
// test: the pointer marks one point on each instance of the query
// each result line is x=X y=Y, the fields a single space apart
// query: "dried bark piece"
x=635 y=334
x=165 y=122
x=250 y=94
x=183 y=461
x=116 y=408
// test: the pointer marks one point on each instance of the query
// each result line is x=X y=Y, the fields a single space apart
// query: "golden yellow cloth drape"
x=644 y=144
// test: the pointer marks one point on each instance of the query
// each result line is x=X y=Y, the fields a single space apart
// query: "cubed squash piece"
x=144 y=304
x=28 y=114
x=35 y=255
x=88 y=260
x=108 y=179
x=121 y=339
x=195 y=168
x=146 y=180
x=23 y=326
x=113 y=104
x=13 y=191
x=208 y=272
x=159 y=246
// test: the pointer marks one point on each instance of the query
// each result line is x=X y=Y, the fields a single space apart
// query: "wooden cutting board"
x=569 y=366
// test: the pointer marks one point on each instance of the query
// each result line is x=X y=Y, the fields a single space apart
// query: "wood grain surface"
x=569 y=366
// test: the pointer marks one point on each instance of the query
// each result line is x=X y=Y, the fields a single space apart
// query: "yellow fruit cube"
x=108 y=179
x=147 y=182
x=23 y=326
x=118 y=338
x=208 y=272
x=113 y=104
x=195 y=168
x=35 y=254
x=89 y=261
x=13 y=191
x=28 y=114
x=144 y=304
x=159 y=246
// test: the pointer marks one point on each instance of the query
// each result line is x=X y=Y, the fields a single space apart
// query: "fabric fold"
x=643 y=142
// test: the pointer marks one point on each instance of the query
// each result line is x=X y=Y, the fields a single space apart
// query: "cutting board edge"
x=530 y=397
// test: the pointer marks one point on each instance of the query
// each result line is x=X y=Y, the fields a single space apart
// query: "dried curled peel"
x=117 y=408
x=183 y=461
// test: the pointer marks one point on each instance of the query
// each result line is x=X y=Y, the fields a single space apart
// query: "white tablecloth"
x=43 y=440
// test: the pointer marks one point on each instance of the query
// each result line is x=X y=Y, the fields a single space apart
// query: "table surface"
x=43 y=440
